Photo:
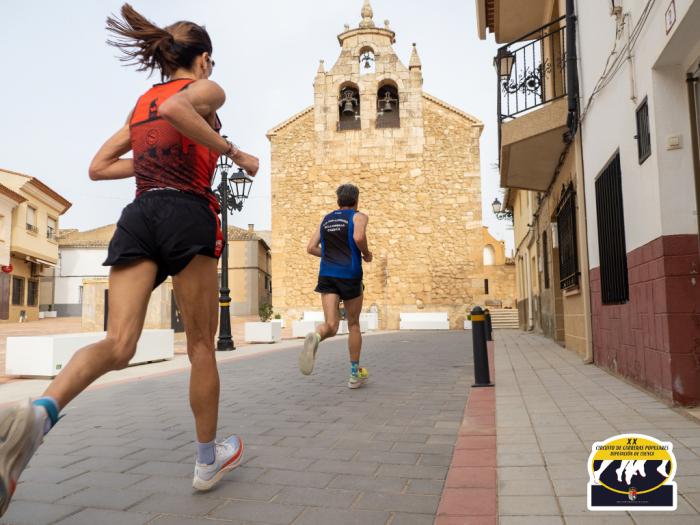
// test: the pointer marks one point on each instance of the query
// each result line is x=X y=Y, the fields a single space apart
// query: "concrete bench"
x=343 y=327
x=303 y=327
x=46 y=355
x=372 y=320
x=424 y=321
x=313 y=316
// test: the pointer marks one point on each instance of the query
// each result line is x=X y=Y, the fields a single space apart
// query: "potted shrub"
x=263 y=331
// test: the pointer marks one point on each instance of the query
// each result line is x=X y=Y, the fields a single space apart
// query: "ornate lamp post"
x=231 y=193
x=499 y=212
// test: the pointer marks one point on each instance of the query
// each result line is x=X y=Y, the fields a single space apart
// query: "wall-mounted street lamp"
x=504 y=62
x=499 y=212
x=231 y=193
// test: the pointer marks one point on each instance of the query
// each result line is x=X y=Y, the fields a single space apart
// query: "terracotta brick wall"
x=654 y=339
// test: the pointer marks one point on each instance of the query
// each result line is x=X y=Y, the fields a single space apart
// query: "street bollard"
x=481 y=357
x=489 y=327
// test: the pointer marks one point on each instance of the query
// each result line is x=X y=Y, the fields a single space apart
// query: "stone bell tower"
x=415 y=159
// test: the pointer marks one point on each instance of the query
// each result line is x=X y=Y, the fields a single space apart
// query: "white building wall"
x=76 y=264
x=658 y=195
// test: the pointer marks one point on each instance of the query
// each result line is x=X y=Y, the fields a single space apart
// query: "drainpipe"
x=571 y=70
x=691 y=80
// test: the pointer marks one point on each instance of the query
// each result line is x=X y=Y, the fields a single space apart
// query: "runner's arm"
x=187 y=110
x=107 y=164
x=314 y=247
x=360 y=235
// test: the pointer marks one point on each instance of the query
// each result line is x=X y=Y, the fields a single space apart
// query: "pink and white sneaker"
x=228 y=456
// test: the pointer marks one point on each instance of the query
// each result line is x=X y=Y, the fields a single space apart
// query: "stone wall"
x=425 y=217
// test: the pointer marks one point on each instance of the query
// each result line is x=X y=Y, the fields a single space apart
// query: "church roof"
x=449 y=107
x=287 y=122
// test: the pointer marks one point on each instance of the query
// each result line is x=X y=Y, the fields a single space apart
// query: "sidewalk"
x=550 y=408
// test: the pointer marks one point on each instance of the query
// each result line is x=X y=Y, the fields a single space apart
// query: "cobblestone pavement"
x=317 y=452
x=550 y=409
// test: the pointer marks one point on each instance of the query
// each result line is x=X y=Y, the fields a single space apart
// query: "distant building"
x=29 y=219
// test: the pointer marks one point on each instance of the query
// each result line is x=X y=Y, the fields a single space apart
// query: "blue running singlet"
x=340 y=257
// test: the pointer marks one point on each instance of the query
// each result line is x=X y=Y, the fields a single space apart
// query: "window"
x=32 y=292
x=643 y=132
x=566 y=227
x=545 y=259
x=486 y=286
x=611 y=234
x=51 y=228
x=31 y=219
x=388 y=107
x=17 y=291
x=349 y=108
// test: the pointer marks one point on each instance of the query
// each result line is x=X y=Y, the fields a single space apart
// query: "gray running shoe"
x=308 y=354
x=21 y=433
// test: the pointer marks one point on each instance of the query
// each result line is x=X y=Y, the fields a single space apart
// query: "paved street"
x=317 y=453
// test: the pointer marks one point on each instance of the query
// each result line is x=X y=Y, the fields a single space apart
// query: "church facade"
x=416 y=161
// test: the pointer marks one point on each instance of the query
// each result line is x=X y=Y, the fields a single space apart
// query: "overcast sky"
x=64 y=92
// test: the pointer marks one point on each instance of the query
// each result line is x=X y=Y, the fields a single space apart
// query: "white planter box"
x=301 y=328
x=263 y=332
x=279 y=322
x=45 y=315
x=424 y=321
x=371 y=320
x=46 y=355
x=467 y=324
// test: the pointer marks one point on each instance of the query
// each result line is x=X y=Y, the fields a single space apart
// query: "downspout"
x=571 y=71
x=572 y=89
x=691 y=80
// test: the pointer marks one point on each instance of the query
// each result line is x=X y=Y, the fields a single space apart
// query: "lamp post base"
x=225 y=345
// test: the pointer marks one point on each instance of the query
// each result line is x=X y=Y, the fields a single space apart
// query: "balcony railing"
x=532 y=70
x=32 y=228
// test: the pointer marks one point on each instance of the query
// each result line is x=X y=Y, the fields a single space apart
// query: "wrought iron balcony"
x=533 y=111
x=532 y=70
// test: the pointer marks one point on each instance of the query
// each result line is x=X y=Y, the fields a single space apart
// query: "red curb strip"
x=469 y=496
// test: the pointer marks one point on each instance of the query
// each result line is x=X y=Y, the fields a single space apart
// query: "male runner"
x=341 y=243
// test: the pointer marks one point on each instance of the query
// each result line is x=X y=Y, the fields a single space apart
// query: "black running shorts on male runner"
x=167 y=226
x=345 y=288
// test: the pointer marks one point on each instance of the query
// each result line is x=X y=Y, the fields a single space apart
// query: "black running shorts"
x=169 y=227
x=345 y=288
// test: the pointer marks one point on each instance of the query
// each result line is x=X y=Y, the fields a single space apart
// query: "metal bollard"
x=489 y=327
x=481 y=356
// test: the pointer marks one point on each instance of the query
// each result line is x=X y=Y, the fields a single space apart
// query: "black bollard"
x=489 y=327
x=481 y=357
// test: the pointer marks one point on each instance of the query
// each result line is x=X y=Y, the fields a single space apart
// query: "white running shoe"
x=21 y=433
x=308 y=354
x=228 y=456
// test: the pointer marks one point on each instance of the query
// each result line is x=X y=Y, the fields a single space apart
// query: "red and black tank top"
x=164 y=157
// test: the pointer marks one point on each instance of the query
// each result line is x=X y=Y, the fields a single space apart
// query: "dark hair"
x=347 y=195
x=150 y=47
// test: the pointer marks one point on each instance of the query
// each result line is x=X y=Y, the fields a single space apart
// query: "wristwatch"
x=232 y=149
